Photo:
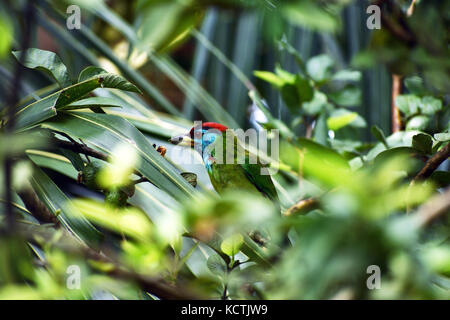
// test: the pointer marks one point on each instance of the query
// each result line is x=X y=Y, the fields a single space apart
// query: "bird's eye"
x=180 y=139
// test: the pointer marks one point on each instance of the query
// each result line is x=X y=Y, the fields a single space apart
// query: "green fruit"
x=89 y=175
x=116 y=198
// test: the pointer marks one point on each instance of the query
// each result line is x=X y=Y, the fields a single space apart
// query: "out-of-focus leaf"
x=379 y=135
x=423 y=143
x=270 y=77
x=397 y=152
x=441 y=178
x=216 y=265
x=305 y=90
x=289 y=93
x=316 y=105
x=347 y=75
x=408 y=104
x=415 y=85
x=337 y=122
x=444 y=136
x=419 y=122
x=6 y=31
x=129 y=221
x=231 y=245
x=319 y=67
x=430 y=105
x=310 y=14
x=347 y=97
x=163 y=23
x=48 y=62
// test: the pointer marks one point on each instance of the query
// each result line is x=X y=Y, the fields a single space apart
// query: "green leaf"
x=430 y=105
x=317 y=104
x=379 y=135
x=36 y=112
x=74 y=158
x=305 y=90
x=216 y=265
x=93 y=102
x=57 y=202
x=232 y=244
x=107 y=80
x=105 y=132
x=415 y=85
x=386 y=155
x=423 y=143
x=48 y=62
x=408 y=104
x=270 y=77
x=319 y=67
x=285 y=75
x=321 y=130
x=347 y=97
x=347 y=75
x=90 y=72
x=419 y=122
x=340 y=121
x=441 y=178
x=161 y=23
x=444 y=136
x=309 y=14
x=289 y=93
x=47 y=107
x=6 y=30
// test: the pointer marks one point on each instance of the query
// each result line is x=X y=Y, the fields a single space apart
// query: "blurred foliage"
x=97 y=189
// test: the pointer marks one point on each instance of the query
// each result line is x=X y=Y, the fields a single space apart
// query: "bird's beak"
x=182 y=140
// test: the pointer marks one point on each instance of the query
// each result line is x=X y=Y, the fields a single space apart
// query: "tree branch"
x=301 y=207
x=432 y=164
x=401 y=32
x=36 y=207
x=434 y=208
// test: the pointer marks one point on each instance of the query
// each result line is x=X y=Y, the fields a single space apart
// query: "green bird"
x=227 y=169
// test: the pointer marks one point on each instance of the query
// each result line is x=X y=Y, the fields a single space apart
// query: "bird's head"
x=199 y=137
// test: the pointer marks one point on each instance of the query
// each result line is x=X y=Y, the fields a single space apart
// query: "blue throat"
x=207 y=146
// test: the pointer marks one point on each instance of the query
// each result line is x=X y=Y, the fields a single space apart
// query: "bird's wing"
x=263 y=182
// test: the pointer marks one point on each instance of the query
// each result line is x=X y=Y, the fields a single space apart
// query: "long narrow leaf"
x=58 y=203
x=105 y=132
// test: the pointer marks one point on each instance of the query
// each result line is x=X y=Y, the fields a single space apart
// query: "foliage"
x=96 y=186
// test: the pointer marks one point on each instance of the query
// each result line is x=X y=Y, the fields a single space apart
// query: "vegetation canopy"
x=100 y=200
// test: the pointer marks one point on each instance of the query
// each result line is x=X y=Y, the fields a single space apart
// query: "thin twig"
x=302 y=206
x=80 y=148
x=398 y=30
x=36 y=207
x=434 y=208
x=410 y=11
x=140 y=180
x=432 y=164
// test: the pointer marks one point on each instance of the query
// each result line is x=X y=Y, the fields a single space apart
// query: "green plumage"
x=245 y=176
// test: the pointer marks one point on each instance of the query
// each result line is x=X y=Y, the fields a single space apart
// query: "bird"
x=227 y=175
